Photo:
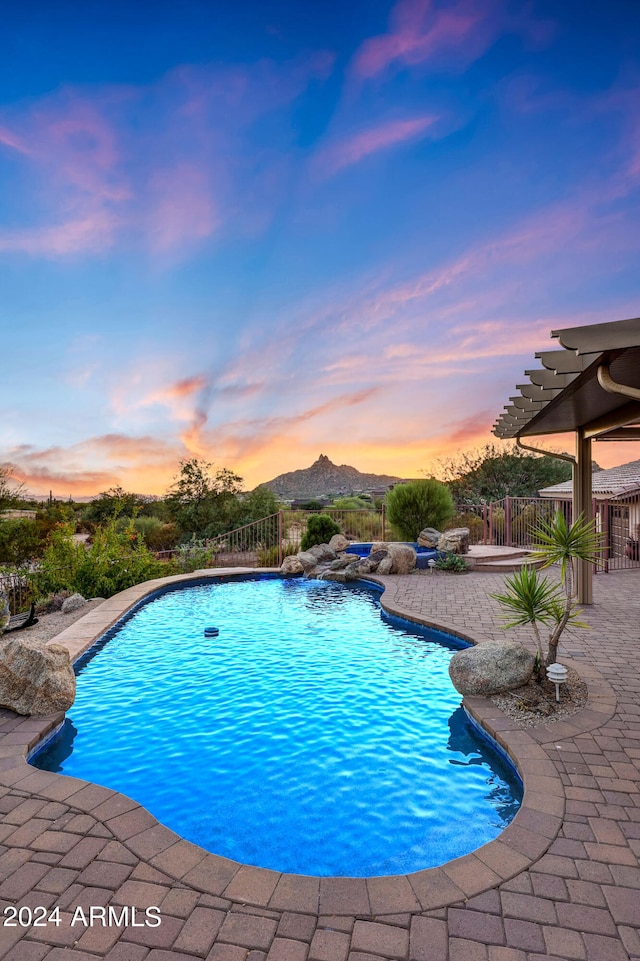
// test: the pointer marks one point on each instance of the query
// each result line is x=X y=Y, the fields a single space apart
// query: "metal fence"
x=509 y=523
x=266 y=542
x=19 y=589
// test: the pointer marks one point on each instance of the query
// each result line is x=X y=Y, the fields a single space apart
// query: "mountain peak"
x=326 y=478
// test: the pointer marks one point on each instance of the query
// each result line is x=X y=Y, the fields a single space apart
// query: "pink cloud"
x=94 y=233
x=366 y=142
x=163 y=166
x=467 y=430
x=184 y=388
x=419 y=32
x=182 y=208
x=10 y=139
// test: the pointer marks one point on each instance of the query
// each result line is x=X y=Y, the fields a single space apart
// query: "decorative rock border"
x=523 y=842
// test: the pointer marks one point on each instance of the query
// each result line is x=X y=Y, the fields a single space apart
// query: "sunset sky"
x=259 y=231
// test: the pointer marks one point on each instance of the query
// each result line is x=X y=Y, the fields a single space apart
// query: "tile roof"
x=615 y=480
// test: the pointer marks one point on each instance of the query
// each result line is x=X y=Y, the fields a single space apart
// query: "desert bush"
x=357 y=524
x=419 y=504
x=19 y=541
x=114 y=561
x=351 y=503
x=320 y=530
x=270 y=556
x=473 y=522
x=454 y=563
x=498 y=524
x=193 y=555
x=52 y=602
x=157 y=535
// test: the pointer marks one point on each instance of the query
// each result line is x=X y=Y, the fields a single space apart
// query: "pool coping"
x=521 y=844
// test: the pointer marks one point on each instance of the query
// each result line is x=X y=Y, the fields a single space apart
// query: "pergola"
x=590 y=387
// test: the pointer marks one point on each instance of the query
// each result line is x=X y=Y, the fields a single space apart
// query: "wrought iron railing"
x=18 y=587
x=509 y=522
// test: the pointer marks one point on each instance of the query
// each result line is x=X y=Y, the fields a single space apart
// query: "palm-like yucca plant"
x=532 y=599
x=528 y=599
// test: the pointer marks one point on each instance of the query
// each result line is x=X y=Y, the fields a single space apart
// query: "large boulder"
x=291 y=565
x=491 y=667
x=308 y=560
x=455 y=541
x=352 y=572
x=402 y=556
x=343 y=561
x=339 y=543
x=35 y=678
x=429 y=537
x=73 y=603
x=333 y=576
x=376 y=556
x=322 y=552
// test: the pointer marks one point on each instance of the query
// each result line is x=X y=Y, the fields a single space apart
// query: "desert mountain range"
x=324 y=477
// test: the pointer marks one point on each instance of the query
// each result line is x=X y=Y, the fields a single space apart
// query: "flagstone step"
x=488 y=557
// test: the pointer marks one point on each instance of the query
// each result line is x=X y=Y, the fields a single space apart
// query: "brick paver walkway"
x=562 y=882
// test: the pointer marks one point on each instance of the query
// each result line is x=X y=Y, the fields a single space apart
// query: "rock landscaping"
x=35 y=679
x=337 y=564
x=491 y=667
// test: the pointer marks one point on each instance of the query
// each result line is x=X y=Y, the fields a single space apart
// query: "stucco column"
x=583 y=504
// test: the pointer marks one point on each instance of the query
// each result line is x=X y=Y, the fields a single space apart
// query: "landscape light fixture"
x=432 y=564
x=557 y=674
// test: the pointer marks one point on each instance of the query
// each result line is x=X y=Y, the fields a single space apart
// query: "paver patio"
x=562 y=882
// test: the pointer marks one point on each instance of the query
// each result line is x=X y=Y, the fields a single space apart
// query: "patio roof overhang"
x=591 y=388
x=575 y=389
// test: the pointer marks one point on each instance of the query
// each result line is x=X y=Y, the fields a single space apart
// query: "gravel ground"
x=535 y=703
x=50 y=625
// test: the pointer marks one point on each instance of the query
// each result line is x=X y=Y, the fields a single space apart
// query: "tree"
x=11 y=493
x=114 y=502
x=19 y=541
x=199 y=495
x=259 y=503
x=419 y=504
x=491 y=473
x=532 y=599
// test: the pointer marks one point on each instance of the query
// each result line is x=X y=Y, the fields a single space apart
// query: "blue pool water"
x=312 y=735
x=424 y=554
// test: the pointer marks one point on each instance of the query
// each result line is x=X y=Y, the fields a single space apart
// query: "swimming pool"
x=312 y=735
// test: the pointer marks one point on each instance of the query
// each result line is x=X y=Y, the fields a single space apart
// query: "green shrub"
x=498 y=520
x=454 y=563
x=158 y=536
x=473 y=522
x=194 y=555
x=114 y=561
x=419 y=504
x=320 y=530
x=358 y=524
x=19 y=541
x=270 y=556
x=351 y=503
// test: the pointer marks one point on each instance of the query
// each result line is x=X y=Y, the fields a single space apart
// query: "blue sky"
x=255 y=232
